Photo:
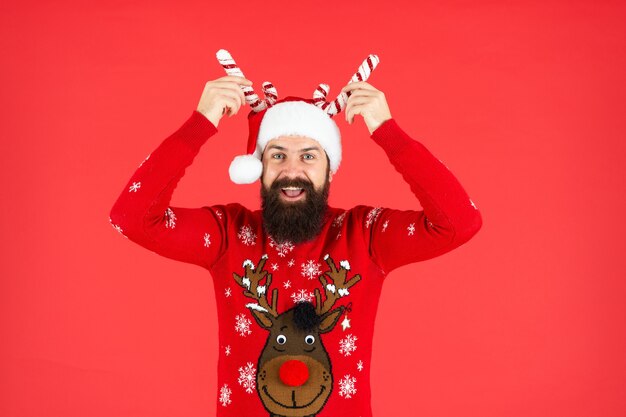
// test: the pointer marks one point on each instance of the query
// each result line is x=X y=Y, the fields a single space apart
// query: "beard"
x=296 y=222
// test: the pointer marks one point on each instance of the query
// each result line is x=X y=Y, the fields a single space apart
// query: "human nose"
x=292 y=168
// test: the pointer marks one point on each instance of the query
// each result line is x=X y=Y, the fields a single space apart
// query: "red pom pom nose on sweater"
x=293 y=373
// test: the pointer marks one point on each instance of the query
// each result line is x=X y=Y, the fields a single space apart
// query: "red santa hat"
x=292 y=116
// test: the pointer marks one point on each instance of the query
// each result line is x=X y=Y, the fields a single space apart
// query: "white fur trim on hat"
x=300 y=118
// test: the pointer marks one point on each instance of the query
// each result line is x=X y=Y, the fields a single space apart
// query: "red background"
x=523 y=101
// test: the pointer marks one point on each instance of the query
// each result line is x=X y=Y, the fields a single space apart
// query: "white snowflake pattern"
x=359 y=365
x=302 y=296
x=225 y=393
x=274 y=267
x=372 y=216
x=227 y=350
x=141 y=164
x=282 y=248
x=287 y=284
x=473 y=205
x=339 y=219
x=242 y=325
x=311 y=269
x=117 y=228
x=227 y=292
x=133 y=188
x=218 y=213
x=411 y=229
x=207 y=240
x=247 y=236
x=347 y=386
x=170 y=223
x=291 y=263
x=247 y=377
x=338 y=236
x=385 y=225
x=347 y=345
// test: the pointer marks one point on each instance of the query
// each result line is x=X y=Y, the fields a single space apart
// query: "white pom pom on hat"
x=292 y=116
x=245 y=169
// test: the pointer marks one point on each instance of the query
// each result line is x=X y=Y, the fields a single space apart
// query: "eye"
x=309 y=340
x=281 y=339
x=308 y=156
x=278 y=156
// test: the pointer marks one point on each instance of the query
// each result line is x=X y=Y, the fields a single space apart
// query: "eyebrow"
x=312 y=148
x=281 y=148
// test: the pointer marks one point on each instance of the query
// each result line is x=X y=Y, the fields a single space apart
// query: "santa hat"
x=292 y=116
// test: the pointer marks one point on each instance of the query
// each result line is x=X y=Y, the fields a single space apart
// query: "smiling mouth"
x=292 y=192
x=293 y=398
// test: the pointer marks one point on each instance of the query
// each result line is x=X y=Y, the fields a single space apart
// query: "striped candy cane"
x=231 y=68
x=336 y=106
x=270 y=93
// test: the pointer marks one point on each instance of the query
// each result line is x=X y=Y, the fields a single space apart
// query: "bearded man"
x=287 y=276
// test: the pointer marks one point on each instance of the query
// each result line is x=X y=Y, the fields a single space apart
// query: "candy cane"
x=321 y=92
x=270 y=93
x=231 y=68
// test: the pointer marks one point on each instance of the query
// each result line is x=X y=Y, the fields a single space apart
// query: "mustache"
x=306 y=185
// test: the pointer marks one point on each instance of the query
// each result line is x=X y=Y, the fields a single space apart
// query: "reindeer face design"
x=294 y=376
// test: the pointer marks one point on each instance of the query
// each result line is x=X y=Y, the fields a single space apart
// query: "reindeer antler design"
x=250 y=283
x=231 y=68
x=338 y=288
x=362 y=74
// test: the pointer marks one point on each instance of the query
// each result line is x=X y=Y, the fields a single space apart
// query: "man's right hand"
x=222 y=96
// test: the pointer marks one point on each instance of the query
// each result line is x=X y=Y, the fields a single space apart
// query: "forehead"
x=294 y=143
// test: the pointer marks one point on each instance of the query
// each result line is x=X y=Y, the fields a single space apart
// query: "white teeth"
x=292 y=188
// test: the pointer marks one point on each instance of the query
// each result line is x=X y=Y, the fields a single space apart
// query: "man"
x=297 y=283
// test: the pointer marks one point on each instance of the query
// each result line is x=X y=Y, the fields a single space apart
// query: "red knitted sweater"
x=280 y=356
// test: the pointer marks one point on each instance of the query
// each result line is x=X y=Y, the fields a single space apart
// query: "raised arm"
x=143 y=213
x=449 y=218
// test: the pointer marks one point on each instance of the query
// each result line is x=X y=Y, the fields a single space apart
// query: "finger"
x=364 y=93
x=357 y=101
x=354 y=111
x=237 y=89
x=229 y=105
x=236 y=79
x=234 y=94
x=227 y=84
x=228 y=89
x=357 y=85
x=235 y=110
x=231 y=86
x=350 y=115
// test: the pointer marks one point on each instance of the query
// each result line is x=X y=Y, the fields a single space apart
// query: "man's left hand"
x=368 y=102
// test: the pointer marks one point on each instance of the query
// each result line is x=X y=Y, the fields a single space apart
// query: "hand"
x=367 y=101
x=222 y=96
